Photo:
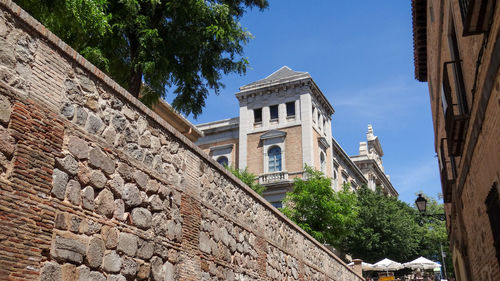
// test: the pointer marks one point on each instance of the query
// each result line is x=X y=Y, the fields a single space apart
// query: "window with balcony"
x=274 y=159
x=257 y=115
x=454 y=99
x=493 y=210
x=290 y=109
x=447 y=171
x=476 y=15
x=273 y=111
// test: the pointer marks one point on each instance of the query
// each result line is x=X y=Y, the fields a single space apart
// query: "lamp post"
x=421 y=203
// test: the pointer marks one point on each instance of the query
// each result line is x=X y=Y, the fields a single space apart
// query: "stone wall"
x=95 y=186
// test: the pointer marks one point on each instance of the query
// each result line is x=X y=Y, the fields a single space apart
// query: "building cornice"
x=284 y=84
x=419 y=18
x=347 y=159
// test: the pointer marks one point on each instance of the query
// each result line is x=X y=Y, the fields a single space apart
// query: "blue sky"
x=360 y=54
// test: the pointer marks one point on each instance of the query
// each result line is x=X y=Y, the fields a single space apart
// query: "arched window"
x=322 y=161
x=274 y=155
x=223 y=160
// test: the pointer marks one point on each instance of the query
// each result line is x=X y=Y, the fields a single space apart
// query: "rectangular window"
x=493 y=210
x=273 y=110
x=290 y=109
x=278 y=204
x=313 y=116
x=257 y=115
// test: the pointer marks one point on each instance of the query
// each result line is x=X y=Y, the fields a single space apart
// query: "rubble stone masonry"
x=95 y=186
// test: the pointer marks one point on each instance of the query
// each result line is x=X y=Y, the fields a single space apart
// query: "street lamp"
x=421 y=203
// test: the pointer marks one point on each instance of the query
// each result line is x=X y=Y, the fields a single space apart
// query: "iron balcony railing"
x=448 y=171
x=476 y=15
x=455 y=108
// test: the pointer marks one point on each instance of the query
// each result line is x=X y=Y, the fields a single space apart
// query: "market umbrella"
x=364 y=265
x=421 y=263
x=387 y=265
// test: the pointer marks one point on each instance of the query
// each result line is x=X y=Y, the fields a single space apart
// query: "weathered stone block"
x=131 y=195
x=100 y=160
x=97 y=179
x=83 y=273
x=119 y=212
x=116 y=184
x=127 y=244
x=146 y=250
x=104 y=203
x=129 y=267
x=125 y=171
x=117 y=277
x=59 y=182
x=50 y=271
x=66 y=249
x=144 y=271
x=95 y=252
x=112 y=262
x=141 y=179
x=73 y=192
x=141 y=218
x=94 y=124
x=96 y=276
x=88 y=198
x=5 y=110
x=7 y=143
x=110 y=236
x=205 y=244
x=78 y=147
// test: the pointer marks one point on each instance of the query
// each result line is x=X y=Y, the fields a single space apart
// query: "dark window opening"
x=278 y=204
x=290 y=109
x=223 y=160
x=493 y=210
x=273 y=110
x=257 y=115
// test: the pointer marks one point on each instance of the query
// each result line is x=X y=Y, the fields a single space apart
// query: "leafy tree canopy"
x=325 y=214
x=150 y=45
x=385 y=228
x=248 y=178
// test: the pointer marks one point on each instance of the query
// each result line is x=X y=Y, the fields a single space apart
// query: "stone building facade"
x=457 y=51
x=96 y=186
x=284 y=124
x=369 y=161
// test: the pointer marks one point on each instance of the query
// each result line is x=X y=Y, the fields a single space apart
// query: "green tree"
x=326 y=215
x=248 y=178
x=386 y=228
x=433 y=234
x=148 y=46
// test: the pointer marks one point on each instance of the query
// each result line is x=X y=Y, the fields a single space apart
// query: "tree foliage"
x=248 y=178
x=326 y=215
x=434 y=235
x=148 y=46
x=385 y=228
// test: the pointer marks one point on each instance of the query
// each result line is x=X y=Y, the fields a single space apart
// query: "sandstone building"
x=457 y=51
x=285 y=123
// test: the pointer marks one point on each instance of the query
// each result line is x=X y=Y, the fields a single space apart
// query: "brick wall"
x=478 y=166
x=95 y=186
